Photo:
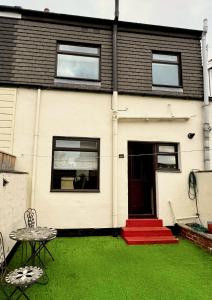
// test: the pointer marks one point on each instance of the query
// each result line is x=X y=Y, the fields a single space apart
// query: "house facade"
x=58 y=116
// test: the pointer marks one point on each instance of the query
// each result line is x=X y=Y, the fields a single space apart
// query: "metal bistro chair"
x=20 y=279
x=30 y=218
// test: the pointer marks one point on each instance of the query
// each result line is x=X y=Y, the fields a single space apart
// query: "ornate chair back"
x=30 y=217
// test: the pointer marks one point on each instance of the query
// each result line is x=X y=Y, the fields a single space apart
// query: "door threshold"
x=143 y=216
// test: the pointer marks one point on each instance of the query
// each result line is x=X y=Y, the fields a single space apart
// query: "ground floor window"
x=75 y=164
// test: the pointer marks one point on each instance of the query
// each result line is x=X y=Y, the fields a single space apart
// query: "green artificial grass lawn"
x=106 y=268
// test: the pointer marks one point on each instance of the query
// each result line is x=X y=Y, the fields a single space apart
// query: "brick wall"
x=204 y=240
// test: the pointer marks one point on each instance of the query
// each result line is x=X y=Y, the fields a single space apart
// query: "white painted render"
x=84 y=114
x=66 y=114
x=204 y=197
x=13 y=199
x=170 y=186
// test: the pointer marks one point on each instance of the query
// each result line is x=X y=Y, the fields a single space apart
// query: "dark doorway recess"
x=141 y=180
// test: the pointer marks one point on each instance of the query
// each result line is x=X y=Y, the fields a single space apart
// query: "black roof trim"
x=65 y=17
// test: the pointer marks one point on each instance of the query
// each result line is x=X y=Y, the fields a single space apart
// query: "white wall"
x=204 y=196
x=170 y=186
x=71 y=114
x=81 y=114
x=13 y=198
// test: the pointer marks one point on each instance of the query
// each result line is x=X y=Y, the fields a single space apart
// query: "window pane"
x=75 y=179
x=166 y=148
x=74 y=66
x=76 y=144
x=67 y=144
x=166 y=161
x=71 y=48
x=164 y=74
x=88 y=145
x=171 y=58
x=75 y=160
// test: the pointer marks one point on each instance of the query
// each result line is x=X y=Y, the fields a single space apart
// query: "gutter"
x=206 y=116
x=210 y=79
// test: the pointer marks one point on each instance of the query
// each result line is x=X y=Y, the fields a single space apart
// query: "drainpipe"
x=35 y=148
x=206 y=119
x=115 y=121
x=210 y=78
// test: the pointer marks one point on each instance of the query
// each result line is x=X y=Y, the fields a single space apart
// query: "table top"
x=33 y=234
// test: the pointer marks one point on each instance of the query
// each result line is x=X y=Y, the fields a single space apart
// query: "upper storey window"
x=78 y=62
x=166 y=69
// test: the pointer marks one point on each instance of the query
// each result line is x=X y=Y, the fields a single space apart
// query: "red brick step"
x=144 y=223
x=147 y=231
x=150 y=240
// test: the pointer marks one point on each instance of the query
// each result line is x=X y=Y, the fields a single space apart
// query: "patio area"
x=106 y=268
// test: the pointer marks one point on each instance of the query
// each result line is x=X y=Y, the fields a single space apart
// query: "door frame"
x=154 y=204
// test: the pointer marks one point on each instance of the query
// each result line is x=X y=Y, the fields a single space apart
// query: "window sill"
x=169 y=170
x=77 y=82
x=74 y=191
x=167 y=89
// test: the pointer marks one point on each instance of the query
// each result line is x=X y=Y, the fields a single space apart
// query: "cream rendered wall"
x=204 y=197
x=13 y=199
x=24 y=132
x=81 y=114
x=73 y=114
x=170 y=186
x=24 y=128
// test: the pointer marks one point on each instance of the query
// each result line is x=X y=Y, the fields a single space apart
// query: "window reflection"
x=80 y=49
x=65 y=160
x=165 y=57
x=164 y=74
x=76 y=144
x=166 y=148
x=167 y=161
x=78 y=66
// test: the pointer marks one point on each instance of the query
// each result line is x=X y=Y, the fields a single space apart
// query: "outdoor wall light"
x=191 y=135
x=5 y=182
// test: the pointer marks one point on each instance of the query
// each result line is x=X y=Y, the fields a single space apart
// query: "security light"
x=191 y=135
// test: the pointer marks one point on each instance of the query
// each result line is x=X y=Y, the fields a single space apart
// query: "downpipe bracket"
x=207 y=127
